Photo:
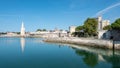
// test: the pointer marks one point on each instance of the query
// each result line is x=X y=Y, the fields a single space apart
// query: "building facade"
x=101 y=24
x=105 y=23
x=72 y=29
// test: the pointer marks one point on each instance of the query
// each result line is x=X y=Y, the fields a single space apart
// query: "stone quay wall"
x=107 y=44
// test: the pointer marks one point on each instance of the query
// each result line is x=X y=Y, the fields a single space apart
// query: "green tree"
x=44 y=30
x=90 y=26
x=38 y=30
x=79 y=28
x=116 y=24
x=108 y=27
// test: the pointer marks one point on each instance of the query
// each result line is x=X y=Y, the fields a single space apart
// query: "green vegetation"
x=38 y=30
x=116 y=24
x=79 y=28
x=1 y=33
x=108 y=27
x=44 y=30
x=41 y=30
x=89 y=27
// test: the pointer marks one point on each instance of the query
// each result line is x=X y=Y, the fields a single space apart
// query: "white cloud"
x=106 y=9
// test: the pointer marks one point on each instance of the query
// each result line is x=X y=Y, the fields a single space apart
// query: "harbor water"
x=34 y=53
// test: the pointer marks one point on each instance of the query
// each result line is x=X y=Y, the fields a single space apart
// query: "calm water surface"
x=33 y=53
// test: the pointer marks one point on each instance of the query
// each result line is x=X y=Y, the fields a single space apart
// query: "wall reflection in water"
x=22 y=41
x=92 y=56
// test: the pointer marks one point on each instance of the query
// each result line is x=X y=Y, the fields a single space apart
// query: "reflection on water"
x=92 y=56
x=114 y=60
x=22 y=41
x=89 y=58
x=52 y=55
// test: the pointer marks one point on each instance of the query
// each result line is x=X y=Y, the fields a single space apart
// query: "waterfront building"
x=11 y=34
x=56 y=30
x=101 y=24
x=72 y=29
x=48 y=34
x=99 y=19
x=105 y=23
x=22 y=33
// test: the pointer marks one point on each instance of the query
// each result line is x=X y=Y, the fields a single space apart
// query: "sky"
x=51 y=14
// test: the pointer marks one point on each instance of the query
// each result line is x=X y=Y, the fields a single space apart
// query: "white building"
x=105 y=23
x=48 y=34
x=72 y=29
x=99 y=19
x=101 y=25
x=22 y=33
x=11 y=34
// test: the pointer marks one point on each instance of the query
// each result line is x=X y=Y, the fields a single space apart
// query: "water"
x=33 y=53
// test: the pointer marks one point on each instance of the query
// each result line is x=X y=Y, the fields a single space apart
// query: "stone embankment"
x=107 y=44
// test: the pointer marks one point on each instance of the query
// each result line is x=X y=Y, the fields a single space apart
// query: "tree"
x=108 y=27
x=90 y=26
x=41 y=30
x=79 y=28
x=44 y=30
x=116 y=24
x=38 y=30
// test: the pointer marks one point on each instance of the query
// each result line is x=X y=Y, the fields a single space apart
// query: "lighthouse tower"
x=22 y=33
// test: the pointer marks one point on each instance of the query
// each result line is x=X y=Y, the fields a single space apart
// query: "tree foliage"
x=116 y=24
x=108 y=27
x=38 y=30
x=41 y=30
x=44 y=30
x=90 y=26
x=79 y=28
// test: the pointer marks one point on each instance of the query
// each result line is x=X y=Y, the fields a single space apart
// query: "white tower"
x=99 y=23
x=22 y=30
x=72 y=29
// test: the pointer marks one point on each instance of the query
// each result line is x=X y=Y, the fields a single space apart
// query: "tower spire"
x=22 y=33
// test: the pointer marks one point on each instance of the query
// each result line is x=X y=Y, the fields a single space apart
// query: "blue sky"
x=50 y=14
